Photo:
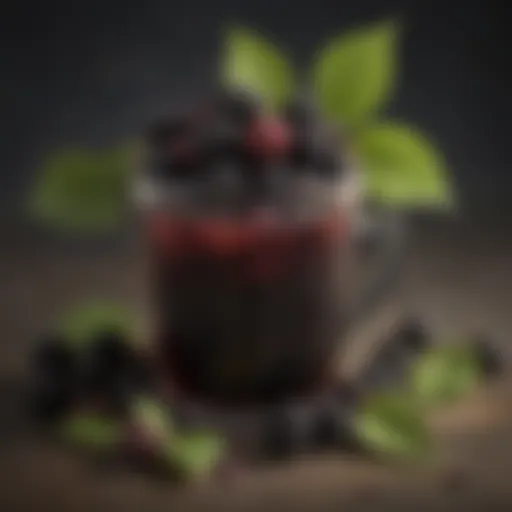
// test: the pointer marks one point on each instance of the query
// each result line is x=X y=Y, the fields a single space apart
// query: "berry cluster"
x=105 y=375
x=104 y=398
x=234 y=127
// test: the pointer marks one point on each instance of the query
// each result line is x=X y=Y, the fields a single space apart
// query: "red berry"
x=268 y=137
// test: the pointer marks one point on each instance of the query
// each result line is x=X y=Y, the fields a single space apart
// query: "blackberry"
x=312 y=149
x=391 y=363
x=488 y=357
x=49 y=402
x=332 y=427
x=218 y=140
x=238 y=105
x=226 y=186
x=301 y=114
x=265 y=184
x=325 y=149
x=414 y=335
x=163 y=131
x=287 y=432
x=53 y=354
x=53 y=379
x=114 y=372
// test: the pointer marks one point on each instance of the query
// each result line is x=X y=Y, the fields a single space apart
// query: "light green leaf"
x=152 y=416
x=354 y=74
x=80 y=325
x=80 y=190
x=196 y=454
x=444 y=374
x=401 y=168
x=252 y=63
x=389 y=425
x=91 y=431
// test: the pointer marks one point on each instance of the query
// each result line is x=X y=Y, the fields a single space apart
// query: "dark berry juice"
x=249 y=220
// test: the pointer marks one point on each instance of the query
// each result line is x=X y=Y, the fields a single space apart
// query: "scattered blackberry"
x=391 y=363
x=332 y=427
x=489 y=357
x=53 y=379
x=114 y=372
x=287 y=432
x=414 y=335
x=53 y=354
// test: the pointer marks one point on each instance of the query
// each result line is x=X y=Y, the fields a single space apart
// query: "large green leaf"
x=444 y=374
x=81 y=324
x=196 y=454
x=354 y=74
x=91 y=431
x=402 y=168
x=390 y=425
x=81 y=190
x=252 y=63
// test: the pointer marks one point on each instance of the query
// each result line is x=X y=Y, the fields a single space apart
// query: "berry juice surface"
x=249 y=222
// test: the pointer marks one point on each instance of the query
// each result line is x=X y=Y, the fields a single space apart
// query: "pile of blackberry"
x=105 y=375
x=234 y=130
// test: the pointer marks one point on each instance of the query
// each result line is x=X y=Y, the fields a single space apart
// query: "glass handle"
x=380 y=248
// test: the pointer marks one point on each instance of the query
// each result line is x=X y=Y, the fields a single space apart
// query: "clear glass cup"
x=252 y=303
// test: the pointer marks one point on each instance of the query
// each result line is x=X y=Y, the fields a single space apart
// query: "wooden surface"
x=459 y=278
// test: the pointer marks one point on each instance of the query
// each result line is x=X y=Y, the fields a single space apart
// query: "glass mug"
x=252 y=308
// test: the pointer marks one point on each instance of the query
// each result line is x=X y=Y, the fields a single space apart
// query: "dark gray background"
x=75 y=71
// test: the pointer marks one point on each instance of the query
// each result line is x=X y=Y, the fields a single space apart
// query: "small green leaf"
x=152 y=416
x=84 y=322
x=354 y=74
x=252 y=63
x=196 y=454
x=80 y=190
x=401 y=168
x=444 y=374
x=389 y=425
x=91 y=431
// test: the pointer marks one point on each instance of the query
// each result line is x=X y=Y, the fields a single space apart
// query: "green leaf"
x=84 y=322
x=402 y=168
x=80 y=190
x=390 y=425
x=444 y=374
x=252 y=63
x=152 y=416
x=196 y=454
x=354 y=74
x=91 y=431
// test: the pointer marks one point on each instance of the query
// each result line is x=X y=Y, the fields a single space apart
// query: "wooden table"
x=458 y=277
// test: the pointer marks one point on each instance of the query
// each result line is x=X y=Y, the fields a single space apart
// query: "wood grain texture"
x=458 y=278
